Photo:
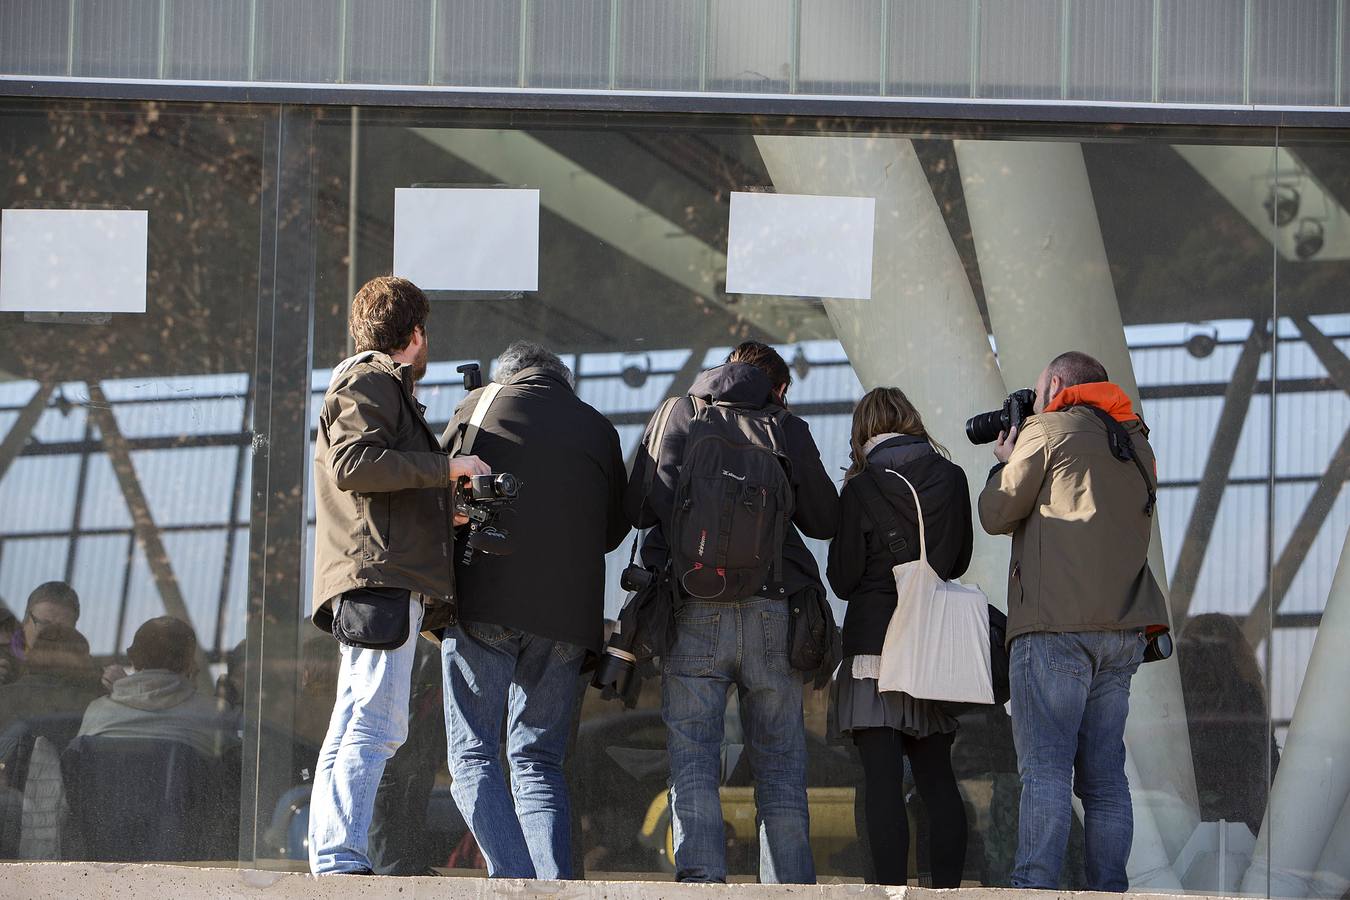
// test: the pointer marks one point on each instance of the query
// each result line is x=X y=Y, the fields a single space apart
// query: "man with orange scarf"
x=1080 y=598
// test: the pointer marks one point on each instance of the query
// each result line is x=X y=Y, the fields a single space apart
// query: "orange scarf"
x=1104 y=395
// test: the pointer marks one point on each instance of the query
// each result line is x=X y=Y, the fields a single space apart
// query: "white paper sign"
x=799 y=245
x=467 y=239
x=73 y=260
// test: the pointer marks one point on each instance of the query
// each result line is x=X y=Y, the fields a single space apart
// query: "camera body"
x=635 y=578
x=481 y=499
x=986 y=427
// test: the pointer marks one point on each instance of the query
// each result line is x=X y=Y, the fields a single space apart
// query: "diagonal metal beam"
x=1329 y=486
x=12 y=446
x=1237 y=401
x=143 y=523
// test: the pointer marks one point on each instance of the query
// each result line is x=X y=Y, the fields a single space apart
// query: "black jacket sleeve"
x=961 y=497
x=817 y=510
x=616 y=526
x=848 y=550
x=652 y=509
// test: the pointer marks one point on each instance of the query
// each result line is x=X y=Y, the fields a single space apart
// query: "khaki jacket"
x=1080 y=535
x=382 y=491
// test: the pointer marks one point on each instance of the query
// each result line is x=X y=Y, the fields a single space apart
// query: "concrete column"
x=922 y=330
x=1312 y=784
x=1332 y=879
x=1048 y=286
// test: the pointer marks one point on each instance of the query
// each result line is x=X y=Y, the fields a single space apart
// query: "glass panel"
x=569 y=44
x=661 y=44
x=1020 y=48
x=383 y=41
x=117 y=38
x=208 y=41
x=1294 y=52
x=121 y=476
x=1111 y=50
x=34 y=37
x=1200 y=51
x=633 y=248
x=478 y=43
x=751 y=46
x=298 y=40
x=929 y=50
x=1306 y=849
x=840 y=47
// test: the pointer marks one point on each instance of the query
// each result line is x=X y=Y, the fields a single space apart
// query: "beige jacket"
x=1080 y=533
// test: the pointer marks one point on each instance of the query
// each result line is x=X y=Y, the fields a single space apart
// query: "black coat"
x=816 y=510
x=568 y=516
x=860 y=566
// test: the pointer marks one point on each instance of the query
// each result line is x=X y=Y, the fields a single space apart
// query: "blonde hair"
x=884 y=410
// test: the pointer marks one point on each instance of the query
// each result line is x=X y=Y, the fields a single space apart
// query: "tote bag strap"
x=918 y=508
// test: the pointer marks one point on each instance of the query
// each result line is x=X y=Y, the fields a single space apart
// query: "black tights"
x=883 y=751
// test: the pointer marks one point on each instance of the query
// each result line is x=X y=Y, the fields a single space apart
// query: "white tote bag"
x=937 y=643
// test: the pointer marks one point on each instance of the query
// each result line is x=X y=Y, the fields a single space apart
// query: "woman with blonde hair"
x=889 y=437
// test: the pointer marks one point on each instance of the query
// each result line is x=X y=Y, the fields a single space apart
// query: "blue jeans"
x=494 y=673
x=370 y=722
x=1070 y=698
x=718 y=645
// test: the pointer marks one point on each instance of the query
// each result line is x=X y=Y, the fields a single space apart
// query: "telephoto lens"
x=615 y=671
x=984 y=428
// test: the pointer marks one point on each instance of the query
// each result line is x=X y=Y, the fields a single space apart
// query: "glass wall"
x=156 y=462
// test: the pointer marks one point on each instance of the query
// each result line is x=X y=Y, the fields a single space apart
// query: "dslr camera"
x=985 y=427
x=482 y=499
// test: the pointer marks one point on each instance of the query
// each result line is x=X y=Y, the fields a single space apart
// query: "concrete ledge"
x=99 y=881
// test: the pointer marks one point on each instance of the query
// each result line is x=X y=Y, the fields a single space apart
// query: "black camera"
x=985 y=427
x=635 y=578
x=482 y=499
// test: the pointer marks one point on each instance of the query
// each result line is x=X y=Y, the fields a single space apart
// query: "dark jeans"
x=883 y=751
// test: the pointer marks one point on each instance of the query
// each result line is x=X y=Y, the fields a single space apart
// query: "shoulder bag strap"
x=918 y=508
x=479 y=414
x=1122 y=448
x=880 y=512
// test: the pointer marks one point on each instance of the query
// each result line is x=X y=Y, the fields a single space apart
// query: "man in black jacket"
x=526 y=619
x=742 y=643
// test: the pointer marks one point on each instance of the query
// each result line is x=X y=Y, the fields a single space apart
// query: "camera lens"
x=984 y=428
x=506 y=485
x=615 y=669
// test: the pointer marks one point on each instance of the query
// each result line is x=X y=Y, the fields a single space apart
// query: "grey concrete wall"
x=104 y=881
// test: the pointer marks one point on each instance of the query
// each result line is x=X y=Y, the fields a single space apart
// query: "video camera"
x=482 y=498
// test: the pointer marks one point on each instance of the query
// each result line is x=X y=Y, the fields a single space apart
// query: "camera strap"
x=1122 y=448
x=480 y=412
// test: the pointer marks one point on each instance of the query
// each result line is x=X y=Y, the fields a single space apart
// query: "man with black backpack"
x=736 y=475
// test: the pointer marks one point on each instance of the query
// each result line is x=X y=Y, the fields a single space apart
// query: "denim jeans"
x=370 y=721
x=1070 y=698
x=491 y=673
x=718 y=645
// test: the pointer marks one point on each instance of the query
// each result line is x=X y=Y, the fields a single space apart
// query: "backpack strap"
x=1122 y=448
x=880 y=512
x=918 y=508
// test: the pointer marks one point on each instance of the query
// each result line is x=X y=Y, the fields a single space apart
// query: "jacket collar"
x=1104 y=395
x=536 y=372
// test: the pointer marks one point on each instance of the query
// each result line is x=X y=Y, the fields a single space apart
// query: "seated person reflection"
x=159 y=699
x=59 y=676
x=50 y=603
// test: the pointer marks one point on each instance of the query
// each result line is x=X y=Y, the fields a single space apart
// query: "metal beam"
x=1257 y=624
x=143 y=523
x=1237 y=401
x=18 y=435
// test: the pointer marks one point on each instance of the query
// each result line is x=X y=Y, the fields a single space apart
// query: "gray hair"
x=522 y=355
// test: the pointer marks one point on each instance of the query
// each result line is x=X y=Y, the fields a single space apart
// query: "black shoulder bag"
x=883 y=517
x=1158 y=638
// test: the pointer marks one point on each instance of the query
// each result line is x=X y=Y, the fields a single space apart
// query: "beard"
x=419 y=365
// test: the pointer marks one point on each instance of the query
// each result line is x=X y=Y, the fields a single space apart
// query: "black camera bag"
x=372 y=618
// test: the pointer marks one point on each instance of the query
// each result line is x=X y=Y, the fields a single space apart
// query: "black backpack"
x=733 y=502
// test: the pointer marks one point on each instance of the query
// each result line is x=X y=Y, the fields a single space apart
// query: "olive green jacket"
x=1080 y=534
x=382 y=491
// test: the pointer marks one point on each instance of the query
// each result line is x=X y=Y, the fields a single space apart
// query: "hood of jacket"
x=1104 y=395
x=152 y=689
x=739 y=383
